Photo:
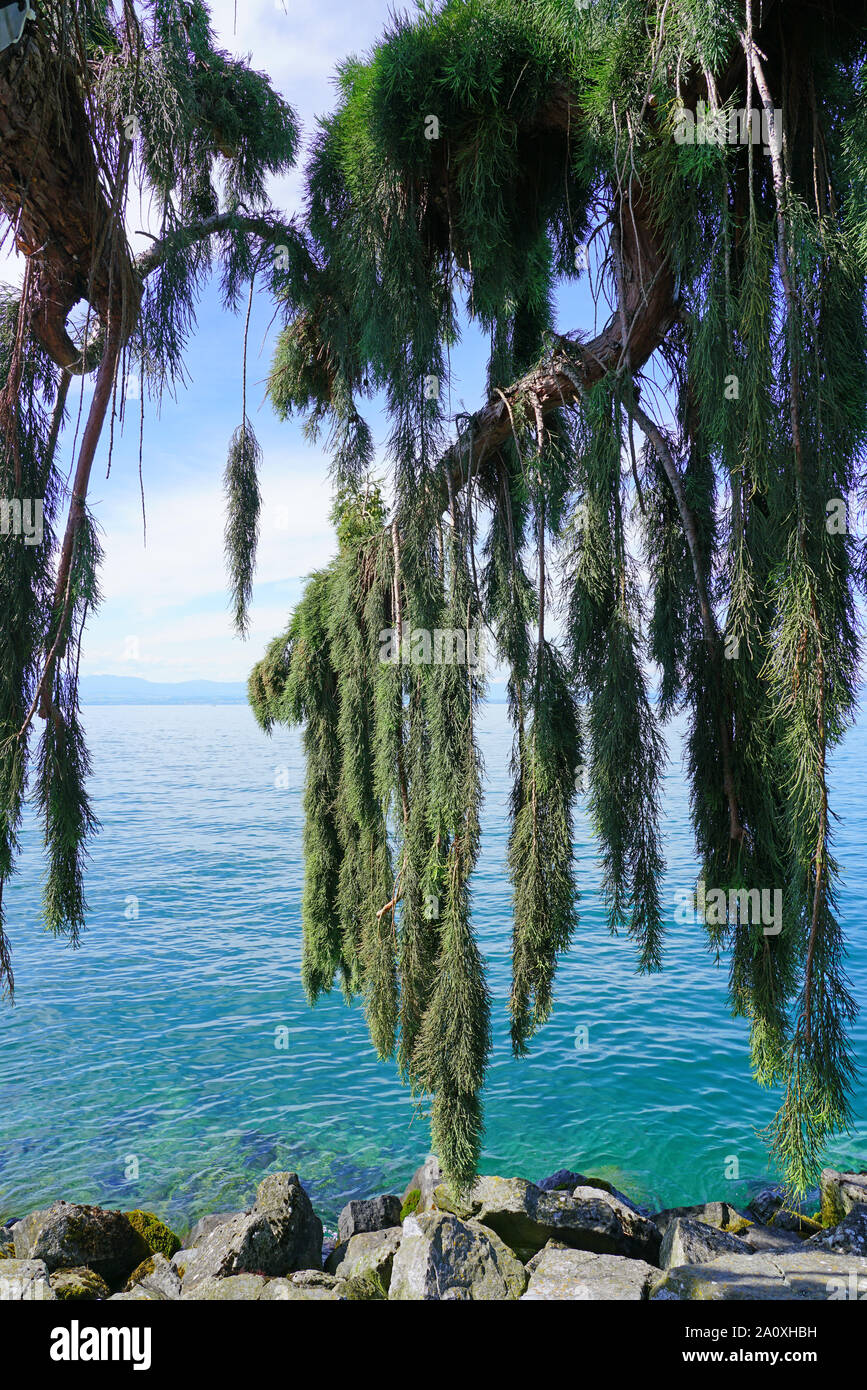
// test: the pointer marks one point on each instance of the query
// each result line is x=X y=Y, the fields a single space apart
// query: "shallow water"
x=145 y=1068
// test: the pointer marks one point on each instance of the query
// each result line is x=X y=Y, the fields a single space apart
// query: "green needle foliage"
x=473 y=158
x=243 y=503
x=666 y=503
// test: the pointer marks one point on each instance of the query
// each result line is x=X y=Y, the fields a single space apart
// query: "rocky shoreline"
x=570 y=1236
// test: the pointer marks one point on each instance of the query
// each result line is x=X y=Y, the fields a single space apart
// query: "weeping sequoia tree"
x=646 y=519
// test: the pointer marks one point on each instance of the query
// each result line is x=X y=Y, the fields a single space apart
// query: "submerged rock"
x=372 y=1214
x=281 y=1233
x=559 y=1272
x=688 y=1242
x=442 y=1257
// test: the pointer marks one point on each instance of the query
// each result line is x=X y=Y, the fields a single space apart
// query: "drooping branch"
x=649 y=309
x=709 y=624
x=269 y=230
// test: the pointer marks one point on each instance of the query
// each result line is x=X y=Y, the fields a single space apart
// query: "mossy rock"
x=800 y=1221
x=78 y=1285
x=158 y=1237
x=738 y=1226
x=363 y=1288
x=139 y=1274
x=410 y=1204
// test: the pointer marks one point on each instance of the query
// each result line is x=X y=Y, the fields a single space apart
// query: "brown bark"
x=649 y=310
x=51 y=193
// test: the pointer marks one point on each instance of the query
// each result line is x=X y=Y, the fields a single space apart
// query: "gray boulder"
x=564 y=1180
x=824 y=1274
x=25 y=1281
x=371 y=1253
x=207 y=1224
x=68 y=1236
x=722 y=1215
x=235 y=1288
x=558 y=1272
x=640 y=1237
x=372 y=1214
x=79 y=1285
x=419 y=1191
x=794 y=1274
x=138 y=1295
x=24 y=1232
x=441 y=1257
x=311 y=1286
x=180 y=1260
x=245 y=1288
x=848 y=1237
x=769 y=1206
x=526 y=1218
x=689 y=1242
x=839 y=1193
x=768 y=1240
x=281 y=1233
x=157 y=1275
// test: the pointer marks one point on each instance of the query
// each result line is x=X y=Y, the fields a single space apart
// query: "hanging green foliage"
x=484 y=153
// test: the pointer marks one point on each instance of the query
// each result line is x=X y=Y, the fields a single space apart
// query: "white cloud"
x=183 y=557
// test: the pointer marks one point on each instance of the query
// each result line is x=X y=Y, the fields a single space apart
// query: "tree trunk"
x=51 y=192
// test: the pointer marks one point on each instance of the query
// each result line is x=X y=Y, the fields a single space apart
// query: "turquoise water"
x=144 y=1069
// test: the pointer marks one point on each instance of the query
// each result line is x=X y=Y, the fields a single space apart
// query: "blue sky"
x=165 y=614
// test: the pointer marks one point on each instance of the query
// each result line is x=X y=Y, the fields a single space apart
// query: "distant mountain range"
x=133 y=690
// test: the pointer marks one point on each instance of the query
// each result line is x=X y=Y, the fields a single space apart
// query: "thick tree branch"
x=266 y=228
x=649 y=309
x=53 y=197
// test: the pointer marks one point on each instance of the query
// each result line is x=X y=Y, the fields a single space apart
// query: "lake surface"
x=147 y=1067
